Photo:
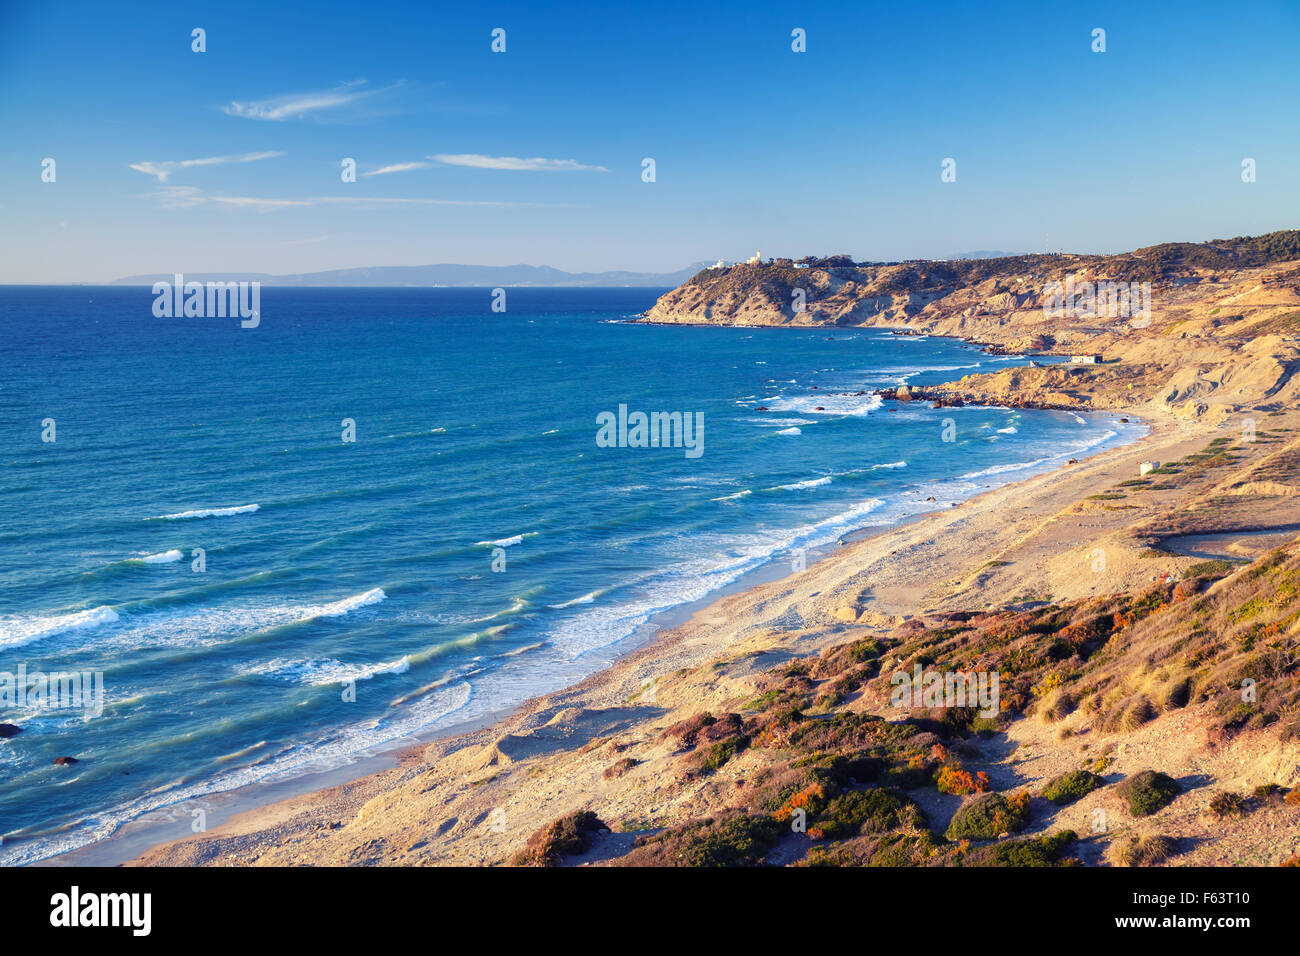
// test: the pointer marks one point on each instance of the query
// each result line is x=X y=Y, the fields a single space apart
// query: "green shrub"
x=1072 y=786
x=1147 y=792
x=1038 y=851
x=989 y=816
x=867 y=811
x=734 y=839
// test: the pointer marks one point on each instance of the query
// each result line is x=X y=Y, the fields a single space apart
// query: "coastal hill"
x=1139 y=607
x=1219 y=321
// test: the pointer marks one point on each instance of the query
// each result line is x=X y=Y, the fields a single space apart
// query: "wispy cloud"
x=297 y=105
x=395 y=168
x=187 y=197
x=165 y=169
x=398 y=201
x=535 y=164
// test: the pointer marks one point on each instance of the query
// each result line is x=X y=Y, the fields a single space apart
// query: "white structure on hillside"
x=756 y=257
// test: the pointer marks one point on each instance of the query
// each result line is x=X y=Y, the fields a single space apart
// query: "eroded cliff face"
x=1194 y=329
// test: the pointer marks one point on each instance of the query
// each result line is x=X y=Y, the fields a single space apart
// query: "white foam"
x=738 y=494
x=204 y=626
x=1075 y=449
x=339 y=608
x=17 y=631
x=208 y=513
x=789 y=431
x=803 y=485
x=327 y=671
x=506 y=542
x=696 y=578
x=824 y=403
x=780 y=422
x=587 y=598
x=516 y=605
x=162 y=557
x=1009 y=430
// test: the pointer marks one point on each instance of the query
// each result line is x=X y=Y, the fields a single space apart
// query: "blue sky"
x=835 y=150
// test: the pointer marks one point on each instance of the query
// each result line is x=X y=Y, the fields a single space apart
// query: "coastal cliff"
x=1190 y=328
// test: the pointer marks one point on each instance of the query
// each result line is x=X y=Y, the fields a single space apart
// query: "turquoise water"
x=472 y=547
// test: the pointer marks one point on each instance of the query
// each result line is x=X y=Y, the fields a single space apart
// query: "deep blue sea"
x=472 y=547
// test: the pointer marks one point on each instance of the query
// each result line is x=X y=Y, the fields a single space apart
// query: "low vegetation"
x=1148 y=791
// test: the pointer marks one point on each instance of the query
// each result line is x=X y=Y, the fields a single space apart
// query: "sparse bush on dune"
x=989 y=816
x=566 y=836
x=620 y=767
x=866 y=811
x=1057 y=706
x=1228 y=804
x=916 y=848
x=1072 y=786
x=730 y=838
x=1036 y=851
x=1142 y=850
x=1148 y=791
x=1137 y=713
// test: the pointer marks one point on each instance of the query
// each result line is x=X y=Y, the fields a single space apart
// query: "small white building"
x=1147 y=467
x=755 y=258
x=1085 y=359
x=801 y=265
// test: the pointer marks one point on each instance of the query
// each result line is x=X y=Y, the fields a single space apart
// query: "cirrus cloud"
x=395 y=168
x=515 y=163
x=298 y=105
x=165 y=169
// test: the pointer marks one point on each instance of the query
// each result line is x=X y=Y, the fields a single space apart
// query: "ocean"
x=184 y=513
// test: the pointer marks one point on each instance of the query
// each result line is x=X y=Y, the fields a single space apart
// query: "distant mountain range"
x=439 y=275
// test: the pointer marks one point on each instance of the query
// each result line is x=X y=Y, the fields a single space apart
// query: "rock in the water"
x=64 y=761
x=9 y=730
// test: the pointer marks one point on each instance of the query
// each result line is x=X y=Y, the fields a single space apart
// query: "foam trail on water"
x=208 y=513
x=162 y=557
x=506 y=542
x=17 y=631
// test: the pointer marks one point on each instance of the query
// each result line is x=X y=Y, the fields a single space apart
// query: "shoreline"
x=138 y=842
x=140 y=836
